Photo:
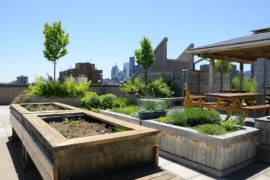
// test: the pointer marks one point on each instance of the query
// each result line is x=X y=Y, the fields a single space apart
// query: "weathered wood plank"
x=74 y=154
x=44 y=165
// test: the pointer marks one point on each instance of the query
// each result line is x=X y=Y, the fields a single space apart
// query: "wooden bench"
x=258 y=110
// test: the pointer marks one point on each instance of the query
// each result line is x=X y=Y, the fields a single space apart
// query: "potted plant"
x=152 y=109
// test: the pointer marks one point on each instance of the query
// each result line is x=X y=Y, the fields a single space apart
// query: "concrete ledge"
x=119 y=116
x=223 y=140
x=207 y=169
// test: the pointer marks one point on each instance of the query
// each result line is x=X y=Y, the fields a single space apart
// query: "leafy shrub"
x=92 y=101
x=149 y=105
x=120 y=102
x=250 y=87
x=48 y=87
x=85 y=97
x=106 y=101
x=211 y=129
x=196 y=117
x=192 y=117
x=157 y=88
x=96 y=110
x=128 y=110
x=234 y=124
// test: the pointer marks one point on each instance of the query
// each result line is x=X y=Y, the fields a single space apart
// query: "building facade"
x=126 y=69
x=163 y=64
x=22 y=80
x=114 y=71
x=204 y=67
x=254 y=72
x=86 y=69
x=131 y=65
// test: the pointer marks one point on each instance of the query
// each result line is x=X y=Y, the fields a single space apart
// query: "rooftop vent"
x=259 y=31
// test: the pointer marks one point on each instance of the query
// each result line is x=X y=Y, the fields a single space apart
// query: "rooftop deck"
x=11 y=168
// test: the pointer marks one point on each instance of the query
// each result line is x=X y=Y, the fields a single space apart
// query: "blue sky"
x=108 y=32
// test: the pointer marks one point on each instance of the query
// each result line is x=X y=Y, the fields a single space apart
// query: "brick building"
x=86 y=69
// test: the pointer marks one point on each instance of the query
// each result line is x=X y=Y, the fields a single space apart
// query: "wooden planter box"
x=18 y=109
x=217 y=155
x=82 y=158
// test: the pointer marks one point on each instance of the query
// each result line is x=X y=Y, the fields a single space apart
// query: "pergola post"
x=261 y=77
x=211 y=73
x=241 y=75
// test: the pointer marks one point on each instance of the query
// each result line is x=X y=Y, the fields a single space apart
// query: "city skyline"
x=111 y=33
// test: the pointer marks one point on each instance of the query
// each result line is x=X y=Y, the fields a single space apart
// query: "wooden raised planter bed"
x=217 y=155
x=57 y=157
x=18 y=109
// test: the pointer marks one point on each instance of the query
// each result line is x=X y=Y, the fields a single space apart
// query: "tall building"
x=204 y=67
x=235 y=72
x=255 y=72
x=126 y=69
x=114 y=71
x=22 y=80
x=86 y=69
x=131 y=65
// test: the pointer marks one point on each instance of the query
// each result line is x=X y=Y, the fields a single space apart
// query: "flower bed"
x=57 y=157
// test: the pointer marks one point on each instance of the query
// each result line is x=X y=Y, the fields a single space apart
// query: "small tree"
x=145 y=56
x=55 y=43
x=225 y=66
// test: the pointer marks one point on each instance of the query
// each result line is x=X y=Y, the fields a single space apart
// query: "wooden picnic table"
x=231 y=102
x=232 y=91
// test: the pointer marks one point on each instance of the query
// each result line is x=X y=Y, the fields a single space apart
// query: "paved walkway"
x=11 y=169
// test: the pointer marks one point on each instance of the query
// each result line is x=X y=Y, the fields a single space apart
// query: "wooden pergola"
x=246 y=49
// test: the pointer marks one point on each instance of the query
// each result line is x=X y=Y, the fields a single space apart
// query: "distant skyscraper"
x=126 y=69
x=22 y=80
x=131 y=65
x=115 y=71
x=235 y=72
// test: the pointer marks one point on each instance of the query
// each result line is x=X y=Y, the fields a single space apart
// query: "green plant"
x=120 y=102
x=96 y=110
x=157 y=88
x=224 y=66
x=119 y=129
x=92 y=101
x=48 y=87
x=149 y=105
x=230 y=125
x=145 y=56
x=128 y=110
x=55 y=42
x=176 y=118
x=196 y=117
x=211 y=129
x=250 y=87
x=106 y=101
x=84 y=99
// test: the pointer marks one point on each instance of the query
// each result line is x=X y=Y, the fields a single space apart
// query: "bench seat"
x=258 y=110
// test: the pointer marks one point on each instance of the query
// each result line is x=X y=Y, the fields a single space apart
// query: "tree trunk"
x=145 y=80
x=54 y=64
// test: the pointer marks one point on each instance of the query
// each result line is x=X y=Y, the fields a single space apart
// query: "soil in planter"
x=80 y=127
x=43 y=107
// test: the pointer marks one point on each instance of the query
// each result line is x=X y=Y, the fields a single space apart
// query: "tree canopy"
x=55 y=43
